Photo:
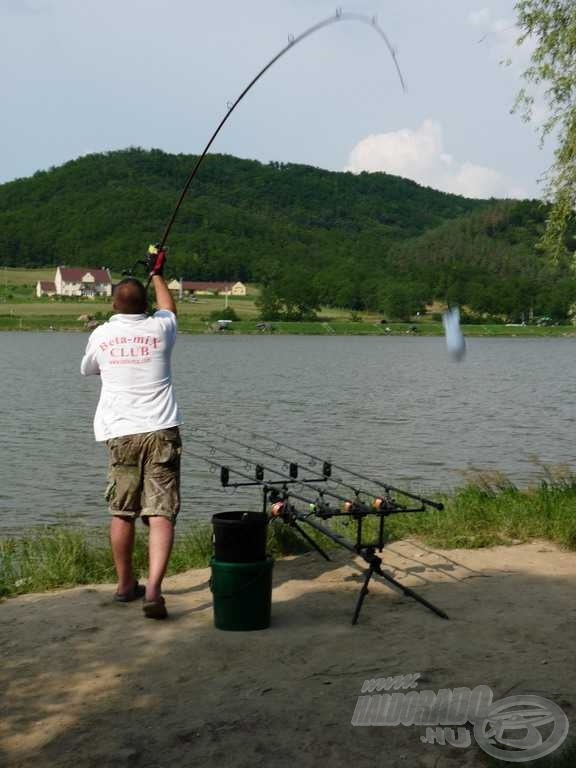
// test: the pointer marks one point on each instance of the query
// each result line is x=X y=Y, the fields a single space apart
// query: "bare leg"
x=159 y=549
x=122 y=542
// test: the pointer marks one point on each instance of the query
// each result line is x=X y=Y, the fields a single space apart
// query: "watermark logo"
x=515 y=729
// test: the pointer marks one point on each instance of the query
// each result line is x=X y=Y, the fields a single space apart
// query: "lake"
x=395 y=409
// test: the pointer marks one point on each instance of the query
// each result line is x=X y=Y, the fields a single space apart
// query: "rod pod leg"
x=408 y=592
x=363 y=592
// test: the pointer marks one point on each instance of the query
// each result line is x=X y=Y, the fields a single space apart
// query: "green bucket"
x=242 y=594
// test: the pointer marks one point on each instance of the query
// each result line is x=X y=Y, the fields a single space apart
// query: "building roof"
x=188 y=285
x=47 y=285
x=75 y=274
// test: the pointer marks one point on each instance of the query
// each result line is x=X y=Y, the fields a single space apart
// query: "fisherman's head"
x=130 y=297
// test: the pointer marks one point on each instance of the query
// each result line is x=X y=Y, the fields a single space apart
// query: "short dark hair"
x=130 y=297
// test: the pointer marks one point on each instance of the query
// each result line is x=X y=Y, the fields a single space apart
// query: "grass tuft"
x=489 y=510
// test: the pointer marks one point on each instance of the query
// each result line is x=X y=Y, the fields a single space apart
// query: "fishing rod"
x=261 y=468
x=386 y=486
x=326 y=474
x=292 y=42
x=366 y=551
x=283 y=509
x=326 y=466
x=258 y=480
x=356 y=507
x=339 y=16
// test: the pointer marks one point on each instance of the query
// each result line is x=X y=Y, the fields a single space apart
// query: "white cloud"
x=420 y=155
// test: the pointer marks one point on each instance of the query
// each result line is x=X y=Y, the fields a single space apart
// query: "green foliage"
x=309 y=237
x=401 y=301
x=550 y=25
x=488 y=262
x=489 y=510
x=228 y=313
x=239 y=217
x=289 y=295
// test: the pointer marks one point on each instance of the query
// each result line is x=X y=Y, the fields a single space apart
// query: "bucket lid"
x=239 y=518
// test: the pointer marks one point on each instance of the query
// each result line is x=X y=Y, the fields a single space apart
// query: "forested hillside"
x=308 y=236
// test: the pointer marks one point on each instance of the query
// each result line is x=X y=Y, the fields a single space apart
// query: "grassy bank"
x=486 y=512
x=20 y=310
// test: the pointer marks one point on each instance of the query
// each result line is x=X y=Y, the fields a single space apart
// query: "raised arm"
x=155 y=263
x=164 y=298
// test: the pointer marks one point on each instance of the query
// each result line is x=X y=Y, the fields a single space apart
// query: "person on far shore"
x=138 y=419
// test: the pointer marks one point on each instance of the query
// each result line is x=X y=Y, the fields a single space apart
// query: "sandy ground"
x=85 y=682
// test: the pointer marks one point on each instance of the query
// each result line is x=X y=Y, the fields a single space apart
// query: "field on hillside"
x=15 y=276
x=21 y=310
x=245 y=308
x=18 y=299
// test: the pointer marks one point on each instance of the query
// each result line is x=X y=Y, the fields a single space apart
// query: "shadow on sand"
x=87 y=683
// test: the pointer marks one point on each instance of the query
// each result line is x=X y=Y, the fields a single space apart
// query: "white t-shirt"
x=132 y=355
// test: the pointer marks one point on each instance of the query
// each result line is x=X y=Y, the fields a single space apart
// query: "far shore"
x=21 y=311
x=324 y=327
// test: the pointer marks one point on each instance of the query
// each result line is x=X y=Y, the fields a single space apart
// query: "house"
x=83 y=281
x=45 y=288
x=238 y=289
x=198 y=288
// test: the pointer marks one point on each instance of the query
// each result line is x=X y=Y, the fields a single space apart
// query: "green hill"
x=307 y=235
x=490 y=262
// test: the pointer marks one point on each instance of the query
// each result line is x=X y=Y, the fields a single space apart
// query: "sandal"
x=155 y=609
x=137 y=591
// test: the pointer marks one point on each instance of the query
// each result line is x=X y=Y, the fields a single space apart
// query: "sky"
x=83 y=76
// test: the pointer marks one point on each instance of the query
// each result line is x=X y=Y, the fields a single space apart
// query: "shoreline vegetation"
x=488 y=511
x=21 y=310
x=323 y=327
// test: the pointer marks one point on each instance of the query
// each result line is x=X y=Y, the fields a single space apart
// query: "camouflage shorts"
x=144 y=474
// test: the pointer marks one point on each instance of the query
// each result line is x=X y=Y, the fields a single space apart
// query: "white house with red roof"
x=199 y=288
x=83 y=281
x=45 y=288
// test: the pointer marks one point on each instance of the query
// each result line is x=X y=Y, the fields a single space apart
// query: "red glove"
x=155 y=260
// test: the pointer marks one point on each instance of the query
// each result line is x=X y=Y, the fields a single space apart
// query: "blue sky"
x=98 y=75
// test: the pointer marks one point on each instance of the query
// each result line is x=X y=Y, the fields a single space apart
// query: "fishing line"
x=326 y=468
x=248 y=477
x=455 y=341
x=292 y=42
x=385 y=486
x=307 y=484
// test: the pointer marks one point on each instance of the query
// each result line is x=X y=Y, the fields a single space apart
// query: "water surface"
x=393 y=408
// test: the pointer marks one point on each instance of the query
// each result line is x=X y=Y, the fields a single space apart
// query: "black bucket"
x=240 y=537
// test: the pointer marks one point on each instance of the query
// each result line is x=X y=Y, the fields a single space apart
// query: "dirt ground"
x=88 y=683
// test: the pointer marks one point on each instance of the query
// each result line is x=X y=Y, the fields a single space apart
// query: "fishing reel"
x=153 y=263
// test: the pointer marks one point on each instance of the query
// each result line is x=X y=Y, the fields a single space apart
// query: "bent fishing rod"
x=292 y=42
x=339 y=16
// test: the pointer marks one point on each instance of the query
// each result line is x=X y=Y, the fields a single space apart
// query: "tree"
x=400 y=301
x=551 y=26
x=291 y=295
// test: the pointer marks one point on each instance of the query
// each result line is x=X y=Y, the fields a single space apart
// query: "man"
x=138 y=418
